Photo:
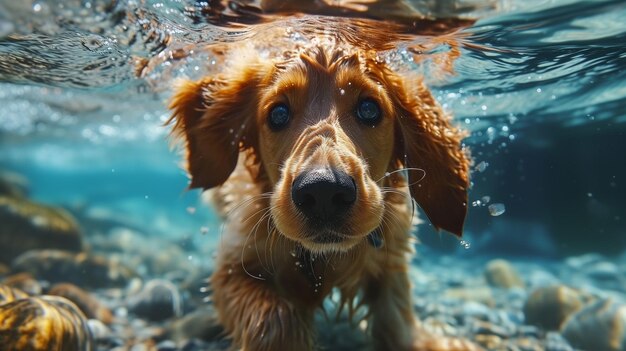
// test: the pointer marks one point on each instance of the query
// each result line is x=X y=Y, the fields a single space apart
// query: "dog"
x=315 y=159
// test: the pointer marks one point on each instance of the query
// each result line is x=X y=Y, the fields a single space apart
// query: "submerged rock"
x=599 y=326
x=549 y=307
x=86 y=302
x=13 y=184
x=67 y=267
x=29 y=226
x=4 y=269
x=149 y=255
x=25 y=282
x=158 y=300
x=42 y=324
x=8 y=294
x=607 y=276
x=501 y=274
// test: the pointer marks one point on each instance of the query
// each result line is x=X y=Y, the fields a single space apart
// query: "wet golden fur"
x=270 y=278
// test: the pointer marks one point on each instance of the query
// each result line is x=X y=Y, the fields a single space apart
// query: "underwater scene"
x=379 y=175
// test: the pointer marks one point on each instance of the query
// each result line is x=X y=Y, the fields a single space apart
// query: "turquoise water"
x=540 y=86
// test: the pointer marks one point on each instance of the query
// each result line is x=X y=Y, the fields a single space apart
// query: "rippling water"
x=84 y=85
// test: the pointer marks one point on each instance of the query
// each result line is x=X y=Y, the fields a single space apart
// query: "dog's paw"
x=445 y=344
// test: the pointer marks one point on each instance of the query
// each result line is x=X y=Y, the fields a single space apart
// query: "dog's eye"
x=278 y=117
x=368 y=112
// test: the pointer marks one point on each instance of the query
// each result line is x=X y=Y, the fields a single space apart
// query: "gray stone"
x=158 y=300
x=80 y=269
x=27 y=225
x=599 y=326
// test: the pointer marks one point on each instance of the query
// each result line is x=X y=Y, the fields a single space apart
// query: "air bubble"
x=496 y=209
x=482 y=166
x=465 y=244
x=342 y=92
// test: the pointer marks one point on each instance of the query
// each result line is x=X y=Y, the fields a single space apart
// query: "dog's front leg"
x=256 y=316
x=394 y=325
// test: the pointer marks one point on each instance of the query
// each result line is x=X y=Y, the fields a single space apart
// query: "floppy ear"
x=215 y=119
x=426 y=140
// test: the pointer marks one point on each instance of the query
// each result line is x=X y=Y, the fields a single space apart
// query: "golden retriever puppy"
x=315 y=159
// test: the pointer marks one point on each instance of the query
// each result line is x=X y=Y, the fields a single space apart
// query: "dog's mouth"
x=332 y=241
x=328 y=242
x=328 y=237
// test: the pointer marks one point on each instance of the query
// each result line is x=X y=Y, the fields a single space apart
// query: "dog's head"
x=325 y=127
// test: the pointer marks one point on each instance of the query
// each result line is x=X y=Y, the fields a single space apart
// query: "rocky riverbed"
x=64 y=283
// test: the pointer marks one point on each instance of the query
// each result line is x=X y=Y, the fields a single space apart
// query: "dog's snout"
x=323 y=194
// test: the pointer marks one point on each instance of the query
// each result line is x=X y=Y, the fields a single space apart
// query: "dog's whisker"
x=242 y=205
x=405 y=170
x=267 y=252
x=390 y=190
x=274 y=237
x=245 y=244
x=248 y=201
x=255 y=229
x=385 y=223
x=243 y=264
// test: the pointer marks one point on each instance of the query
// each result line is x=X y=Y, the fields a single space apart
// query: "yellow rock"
x=549 y=307
x=501 y=274
x=9 y=294
x=46 y=323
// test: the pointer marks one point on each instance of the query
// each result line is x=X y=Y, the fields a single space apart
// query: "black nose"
x=323 y=194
